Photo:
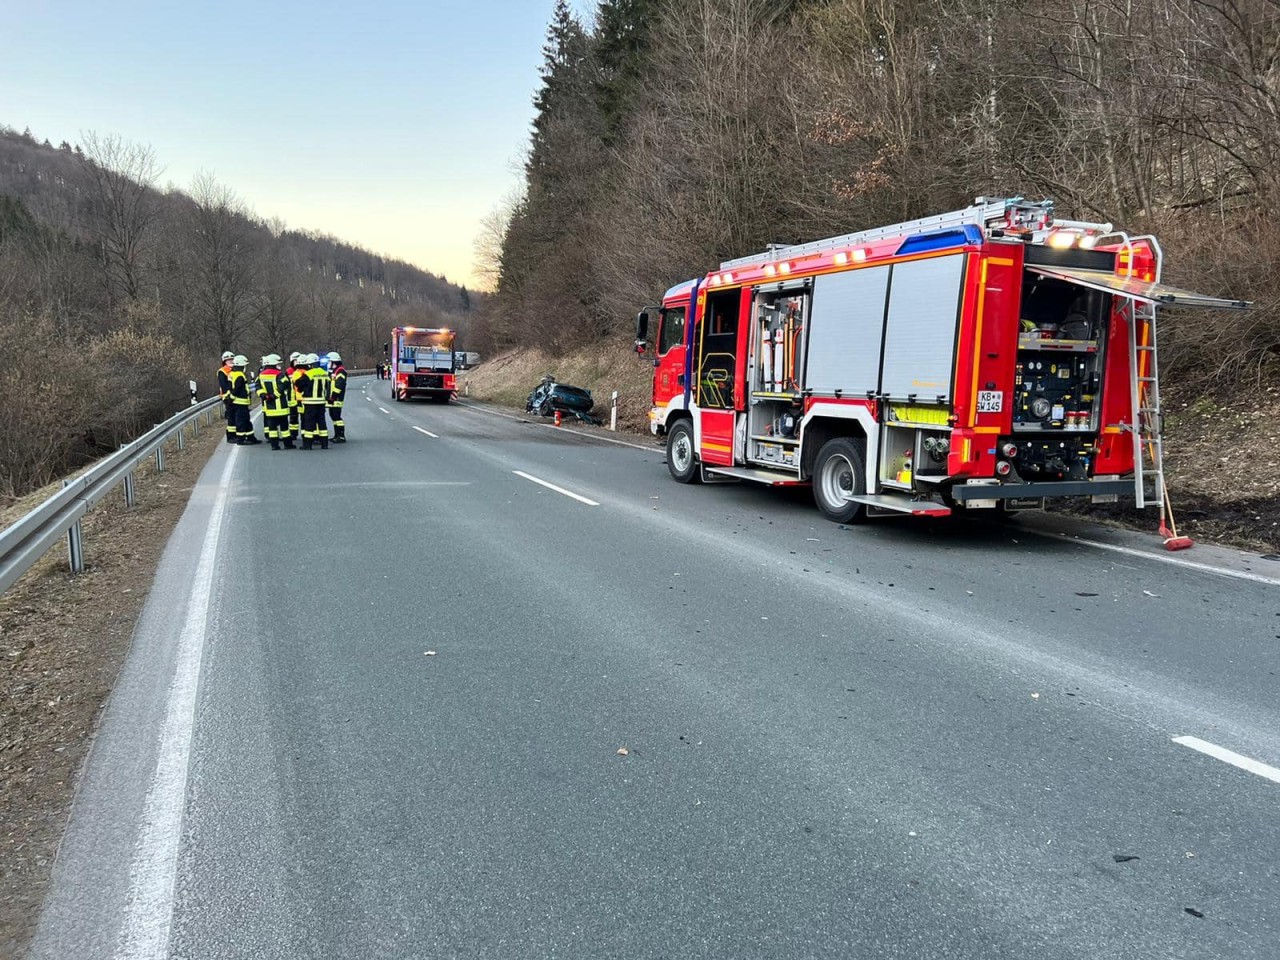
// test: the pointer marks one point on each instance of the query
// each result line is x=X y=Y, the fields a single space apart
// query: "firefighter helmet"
x=227 y=356
x=333 y=357
x=271 y=359
x=240 y=360
x=293 y=357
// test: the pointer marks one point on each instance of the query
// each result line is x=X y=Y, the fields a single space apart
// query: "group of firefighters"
x=298 y=399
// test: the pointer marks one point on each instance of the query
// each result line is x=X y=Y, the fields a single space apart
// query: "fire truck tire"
x=682 y=460
x=839 y=471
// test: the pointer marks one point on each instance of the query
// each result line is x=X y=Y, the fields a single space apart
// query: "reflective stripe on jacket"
x=275 y=391
x=314 y=385
x=238 y=388
x=223 y=383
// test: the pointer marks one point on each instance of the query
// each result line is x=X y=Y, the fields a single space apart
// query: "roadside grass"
x=62 y=641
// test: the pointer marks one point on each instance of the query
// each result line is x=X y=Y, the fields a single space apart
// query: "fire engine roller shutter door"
x=920 y=329
x=846 y=324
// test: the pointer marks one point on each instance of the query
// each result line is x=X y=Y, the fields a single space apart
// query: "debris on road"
x=624 y=752
x=1123 y=857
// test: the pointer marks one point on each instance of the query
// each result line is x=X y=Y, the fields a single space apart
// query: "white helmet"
x=271 y=359
x=227 y=356
x=240 y=360
x=333 y=357
x=313 y=359
x=293 y=357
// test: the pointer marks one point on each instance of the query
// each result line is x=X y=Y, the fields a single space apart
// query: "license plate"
x=990 y=401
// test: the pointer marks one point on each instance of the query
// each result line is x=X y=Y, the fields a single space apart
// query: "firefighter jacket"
x=223 y=383
x=276 y=392
x=291 y=374
x=337 y=386
x=313 y=386
x=238 y=388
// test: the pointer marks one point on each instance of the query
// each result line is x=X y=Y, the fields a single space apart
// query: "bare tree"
x=121 y=177
x=221 y=262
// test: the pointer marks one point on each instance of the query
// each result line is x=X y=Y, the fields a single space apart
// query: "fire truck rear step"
x=773 y=478
x=893 y=503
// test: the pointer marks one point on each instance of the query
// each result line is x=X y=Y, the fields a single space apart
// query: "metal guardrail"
x=26 y=540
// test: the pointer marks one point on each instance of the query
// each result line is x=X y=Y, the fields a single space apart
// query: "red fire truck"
x=423 y=363
x=993 y=356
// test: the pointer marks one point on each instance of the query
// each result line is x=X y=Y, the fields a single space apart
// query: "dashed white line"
x=1230 y=756
x=385 y=410
x=552 y=486
x=148 y=917
x=427 y=432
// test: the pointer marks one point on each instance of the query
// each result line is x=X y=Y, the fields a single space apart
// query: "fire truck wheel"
x=681 y=459
x=838 y=473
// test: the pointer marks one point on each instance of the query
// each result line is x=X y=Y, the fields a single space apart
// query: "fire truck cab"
x=993 y=356
x=423 y=363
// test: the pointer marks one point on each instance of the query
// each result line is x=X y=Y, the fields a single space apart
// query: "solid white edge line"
x=148 y=918
x=552 y=486
x=1230 y=756
x=1175 y=561
x=385 y=410
x=427 y=432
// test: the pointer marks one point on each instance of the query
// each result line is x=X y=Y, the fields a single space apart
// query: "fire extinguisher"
x=557 y=418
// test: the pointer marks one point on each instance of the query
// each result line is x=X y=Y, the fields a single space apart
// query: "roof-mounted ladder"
x=986 y=213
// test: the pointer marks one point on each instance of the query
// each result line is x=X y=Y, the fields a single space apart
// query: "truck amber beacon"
x=992 y=356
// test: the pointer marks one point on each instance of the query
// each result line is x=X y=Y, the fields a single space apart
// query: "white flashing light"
x=841 y=258
x=1088 y=242
x=769 y=270
x=1061 y=239
x=784 y=268
x=728 y=278
x=859 y=255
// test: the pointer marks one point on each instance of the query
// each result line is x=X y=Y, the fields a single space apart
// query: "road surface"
x=475 y=687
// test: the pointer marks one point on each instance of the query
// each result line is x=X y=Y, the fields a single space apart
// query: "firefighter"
x=294 y=373
x=276 y=392
x=238 y=389
x=224 y=394
x=313 y=391
x=337 y=396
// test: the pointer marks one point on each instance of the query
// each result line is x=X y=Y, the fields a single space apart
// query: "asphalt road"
x=379 y=711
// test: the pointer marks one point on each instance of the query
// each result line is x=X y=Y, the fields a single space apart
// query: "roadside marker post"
x=613 y=413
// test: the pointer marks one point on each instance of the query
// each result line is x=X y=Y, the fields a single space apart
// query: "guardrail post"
x=75 y=544
x=613 y=412
x=160 y=456
x=182 y=438
x=130 y=497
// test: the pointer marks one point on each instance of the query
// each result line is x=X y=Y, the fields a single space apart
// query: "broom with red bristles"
x=1170 y=530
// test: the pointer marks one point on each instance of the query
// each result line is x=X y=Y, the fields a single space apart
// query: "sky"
x=394 y=124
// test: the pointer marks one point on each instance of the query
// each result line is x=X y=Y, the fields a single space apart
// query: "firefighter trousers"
x=339 y=425
x=229 y=415
x=244 y=426
x=314 y=427
x=276 y=427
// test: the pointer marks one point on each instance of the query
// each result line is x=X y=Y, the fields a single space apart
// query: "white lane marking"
x=385 y=410
x=1230 y=756
x=552 y=486
x=144 y=934
x=369 y=398
x=577 y=433
x=1175 y=561
x=427 y=432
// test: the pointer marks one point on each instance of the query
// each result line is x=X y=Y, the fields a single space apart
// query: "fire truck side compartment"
x=846 y=332
x=920 y=329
